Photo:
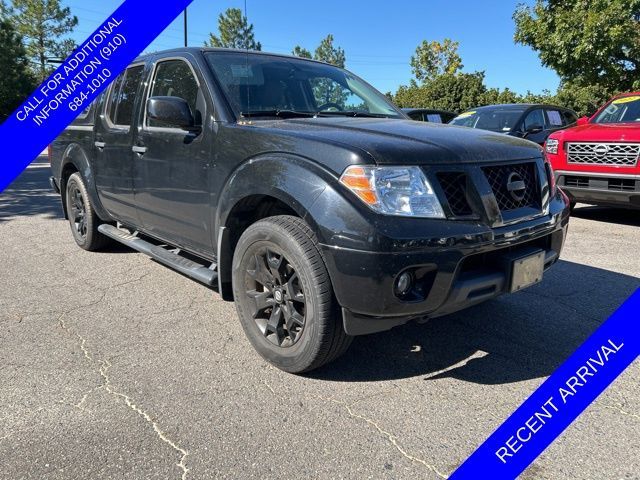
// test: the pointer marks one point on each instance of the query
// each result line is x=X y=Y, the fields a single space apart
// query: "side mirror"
x=173 y=112
x=582 y=121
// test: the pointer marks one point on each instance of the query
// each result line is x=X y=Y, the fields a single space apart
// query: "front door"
x=172 y=165
x=113 y=166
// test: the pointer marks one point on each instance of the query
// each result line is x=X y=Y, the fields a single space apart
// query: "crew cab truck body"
x=298 y=191
x=596 y=162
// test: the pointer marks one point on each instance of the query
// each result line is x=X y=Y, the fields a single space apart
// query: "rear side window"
x=555 y=118
x=123 y=96
x=174 y=78
x=569 y=117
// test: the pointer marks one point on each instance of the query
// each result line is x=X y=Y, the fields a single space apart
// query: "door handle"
x=139 y=150
x=100 y=145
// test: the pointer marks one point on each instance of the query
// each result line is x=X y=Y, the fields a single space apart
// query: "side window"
x=555 y=119
x=174 y=78
x=123 y=96
x=569 y=117
x=533 y=118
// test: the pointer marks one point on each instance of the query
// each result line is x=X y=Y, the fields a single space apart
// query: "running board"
x=201 y=273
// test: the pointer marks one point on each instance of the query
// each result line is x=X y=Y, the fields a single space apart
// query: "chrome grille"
x=621 y=154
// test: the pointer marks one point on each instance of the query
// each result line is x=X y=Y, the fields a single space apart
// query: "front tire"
x=82 y=217
x=284 y=296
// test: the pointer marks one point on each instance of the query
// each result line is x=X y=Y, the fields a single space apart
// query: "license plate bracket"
x=525 y=270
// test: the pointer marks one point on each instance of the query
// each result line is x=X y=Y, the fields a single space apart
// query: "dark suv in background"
x=300 y=192
x=531 y=121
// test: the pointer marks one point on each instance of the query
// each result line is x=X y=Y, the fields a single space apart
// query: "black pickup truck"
x=298 y=191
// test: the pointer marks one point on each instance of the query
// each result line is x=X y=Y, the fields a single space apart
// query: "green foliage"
x=326 y=91
x=453 y=92
x=587 y=42
x=298 y=51
x=433 y=59
x=16 y=81
x=235 y=31
x=43 y=25
x=327 y=52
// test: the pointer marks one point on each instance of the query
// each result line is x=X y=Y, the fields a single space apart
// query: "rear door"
x=172 y=165
x=113 y=166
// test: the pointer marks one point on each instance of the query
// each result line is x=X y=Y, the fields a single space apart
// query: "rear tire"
x=284 y=296
x=82 y=217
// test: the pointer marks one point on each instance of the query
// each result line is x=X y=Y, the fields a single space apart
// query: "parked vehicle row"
x=596 y=159
x=300 y=192
x=531 y=121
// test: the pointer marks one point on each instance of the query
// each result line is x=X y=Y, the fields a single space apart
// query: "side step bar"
x=201 y=273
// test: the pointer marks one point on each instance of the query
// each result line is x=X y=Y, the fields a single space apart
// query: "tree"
x=16 y=82
x=43 y=25
x=298 y=51
x=587 y=42
x=453 y=92
x=433 y=59
x=326 y=52
x=235 y=32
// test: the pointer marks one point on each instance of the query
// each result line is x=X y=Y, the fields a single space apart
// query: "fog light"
x=404 y=282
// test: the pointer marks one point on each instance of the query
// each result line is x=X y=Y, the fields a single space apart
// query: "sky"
x=378 y=36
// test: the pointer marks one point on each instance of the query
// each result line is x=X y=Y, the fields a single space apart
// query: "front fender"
x=293 y=180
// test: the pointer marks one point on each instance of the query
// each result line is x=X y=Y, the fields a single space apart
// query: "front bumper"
x=600 y=188
x=450 y=275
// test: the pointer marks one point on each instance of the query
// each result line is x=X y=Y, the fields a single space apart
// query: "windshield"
x=621 y=110
x=494 y=119
x=276 y=86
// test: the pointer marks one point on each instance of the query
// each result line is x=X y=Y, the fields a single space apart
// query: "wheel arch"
x=76 y=160
x=262 y=187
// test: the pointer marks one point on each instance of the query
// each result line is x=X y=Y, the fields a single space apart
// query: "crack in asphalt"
x=621 y=411
x=105 y=365
x=391 y=438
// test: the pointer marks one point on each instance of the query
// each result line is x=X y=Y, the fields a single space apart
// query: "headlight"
x=552 y=146
x=403 y=191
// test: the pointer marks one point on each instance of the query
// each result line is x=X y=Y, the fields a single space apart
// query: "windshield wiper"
x=354 y=113
x=278 y=113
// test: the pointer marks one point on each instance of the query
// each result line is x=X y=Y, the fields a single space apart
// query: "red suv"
x=596 y=162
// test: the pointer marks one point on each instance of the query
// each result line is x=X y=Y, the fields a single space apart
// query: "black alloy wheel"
x=277 y=294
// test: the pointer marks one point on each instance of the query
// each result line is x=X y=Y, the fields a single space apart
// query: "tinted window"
x=496 y=119
x=534 y=118
x=174 y=78
x=262 y=84
x=569 y=117
x=123 y=98
x=434 y=118
x=113 y=98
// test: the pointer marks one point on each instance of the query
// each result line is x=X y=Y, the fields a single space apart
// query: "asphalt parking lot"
x=112 y=366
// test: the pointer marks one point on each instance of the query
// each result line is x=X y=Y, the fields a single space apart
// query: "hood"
x=407 y=142
x=601 y=132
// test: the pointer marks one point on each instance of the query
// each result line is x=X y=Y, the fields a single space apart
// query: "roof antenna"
x=246 y=68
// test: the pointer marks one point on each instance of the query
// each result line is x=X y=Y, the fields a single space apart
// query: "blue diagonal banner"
x=80 y=79
x=560 y=399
